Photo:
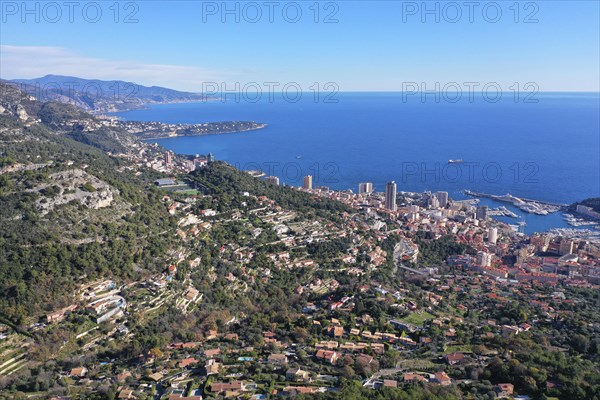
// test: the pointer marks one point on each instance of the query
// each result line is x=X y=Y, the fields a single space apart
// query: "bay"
x=547 y=150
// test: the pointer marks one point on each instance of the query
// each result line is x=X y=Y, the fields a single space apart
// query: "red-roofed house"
x=504 y=389
x=187 y=362
x=455 y=358
x=326 y=355
x=409 y=377
x=442 y=378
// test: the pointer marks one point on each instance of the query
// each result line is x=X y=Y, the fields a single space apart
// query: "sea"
x=544 y=148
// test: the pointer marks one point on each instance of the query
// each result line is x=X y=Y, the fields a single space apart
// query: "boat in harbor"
x=529 y=206
x=506 y=212
x=577 y=222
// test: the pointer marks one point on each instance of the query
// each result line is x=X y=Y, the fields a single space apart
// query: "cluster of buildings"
x=502 y=250
x=338 y=331
x=171 y=163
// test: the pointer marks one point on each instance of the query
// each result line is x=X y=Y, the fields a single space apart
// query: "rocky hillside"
x=69 y=211
x=22 y=110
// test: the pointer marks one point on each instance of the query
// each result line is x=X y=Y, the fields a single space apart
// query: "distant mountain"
x=99 y=96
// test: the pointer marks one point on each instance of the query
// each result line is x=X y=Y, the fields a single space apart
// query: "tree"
x=580 y=343
x=156 y=352
x=390 y=358
x=348 y=372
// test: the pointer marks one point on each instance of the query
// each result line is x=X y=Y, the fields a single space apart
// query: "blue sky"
x=373 y=46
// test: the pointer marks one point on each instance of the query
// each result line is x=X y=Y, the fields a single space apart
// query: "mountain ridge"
x=101 y=96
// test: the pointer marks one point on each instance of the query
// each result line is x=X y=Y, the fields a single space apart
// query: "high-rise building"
x=540 y=241
x=493 y=235
x=307 y=183
x=481 y=212
x=442 y=197
x=390 y=196
x=413 y=208
x=433 y=202
x=566 y=246
x=484 y=259
x=272 y=179
x=168 y=157
x=366 y=187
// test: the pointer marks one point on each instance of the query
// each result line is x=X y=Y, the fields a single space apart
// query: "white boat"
x=455 y=161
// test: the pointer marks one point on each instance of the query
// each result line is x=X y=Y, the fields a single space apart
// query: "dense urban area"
x=130 y=272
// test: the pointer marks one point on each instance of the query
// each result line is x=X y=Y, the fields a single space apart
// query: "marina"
x=502 y=212
x=580 y=234
x=527 y=205
x=575 y=221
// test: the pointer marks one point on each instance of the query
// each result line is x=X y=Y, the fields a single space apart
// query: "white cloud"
x=26 y=62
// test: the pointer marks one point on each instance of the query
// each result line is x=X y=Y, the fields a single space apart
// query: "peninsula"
x=159 y=130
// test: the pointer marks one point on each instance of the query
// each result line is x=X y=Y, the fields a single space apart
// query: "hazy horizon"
x=372 y=47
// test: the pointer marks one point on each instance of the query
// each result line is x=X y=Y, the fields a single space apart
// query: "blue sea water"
x=549 y=150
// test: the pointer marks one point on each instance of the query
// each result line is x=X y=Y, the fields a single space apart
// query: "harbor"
x=526 y=205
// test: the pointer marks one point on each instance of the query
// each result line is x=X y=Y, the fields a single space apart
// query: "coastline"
x=349 y=132
x=147 y=106
x=206 y=134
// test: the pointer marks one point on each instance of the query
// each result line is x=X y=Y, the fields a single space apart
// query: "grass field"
x=418 y=318
x=463 y=348
x=417 y=365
